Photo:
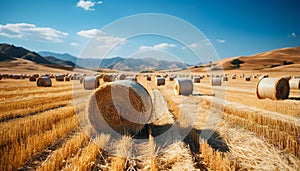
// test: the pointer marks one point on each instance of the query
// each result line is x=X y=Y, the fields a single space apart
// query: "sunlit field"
x=40 y=128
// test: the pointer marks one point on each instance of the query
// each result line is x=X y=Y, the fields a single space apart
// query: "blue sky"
x=232 y=27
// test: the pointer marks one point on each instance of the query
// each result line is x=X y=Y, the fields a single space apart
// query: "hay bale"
x=248 y=78
x=148 y=78
x=272 y=88
x=59 y=77
x=171 y=78
x=216 y=82
x=160 y=81
x=287 y=77
x=297 y=77
x=91 y=82
x=32 y=79
x=0 y=77
x=294 y=83
x=123 y=106
x=81 y=80
x=122 y=77
x=233 y=77
x=44 y=82
x=183 y=86
x=67 y=78
x=108 y=78
x=225 y=78
x=196 y=79
x=16 y=76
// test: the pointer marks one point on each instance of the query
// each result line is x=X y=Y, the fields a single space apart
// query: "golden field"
x=40 y=128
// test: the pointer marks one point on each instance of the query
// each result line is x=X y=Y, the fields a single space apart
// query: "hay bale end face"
x=272 y=88
x=91 y=82
x=108 y=78
x=32 y=79
x=160 y=81
x=121 y=106
x=122 y=77
x=295 y=83
x=248 y=78
x=148 y=78
x=196 y=79
x=59 y=77
x=225 y=78
x=216 y=82
x=44 y=82
x=183 y=86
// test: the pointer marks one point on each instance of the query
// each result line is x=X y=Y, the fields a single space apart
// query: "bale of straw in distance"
x=248 y=78
x=122 y=77
x=196 y=79
x=216 y=82
x=0 y=77
x=122 y=106
x=171 y=78
x=81 y=80
x=44 y=82
x=148 y=78
x=32 y=79
x=67 y=78
x=108 y=78
x=287 y=77
x=295 y=83
x=91 y=82
x=272 y=88
x=183 y=86
x=160 y=81
x=297 y=77
x=59 y=77
x=225 y=78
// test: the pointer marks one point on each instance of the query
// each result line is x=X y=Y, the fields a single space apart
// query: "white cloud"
x=31 y=32
x=160 y=46
x=292 y=35
x=74 y=44
x=221 y=40
x=90 y=33
x=87 y=5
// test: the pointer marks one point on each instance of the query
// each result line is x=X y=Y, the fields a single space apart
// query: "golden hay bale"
x=44 y=82
x=32 y=78
x=148 y=78
x=91 y=82
x=16 y=76
x=171 y=78
x=248 y=78
x=122 y=77
x=160 y=81
x=272 y=88
x=233 y=77
x=225 y=78
x=67 y=78
x=287 y=77
x=196 y=79
x=124 y=106
x=295 y=83
x=59 y=77
x=108 y=78
x=216 y=82
x=183 y=86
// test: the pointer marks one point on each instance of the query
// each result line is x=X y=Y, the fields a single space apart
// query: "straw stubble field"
x=228 y=128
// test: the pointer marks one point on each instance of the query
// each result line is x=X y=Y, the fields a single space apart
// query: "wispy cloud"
x=90 y=33
x=87 y=5
x=161 y=46
x=292 y=35
x=31 y=32
x=221 y=40
x=74 y=44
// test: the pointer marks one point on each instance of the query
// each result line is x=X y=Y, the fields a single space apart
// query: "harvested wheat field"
x=223 y=127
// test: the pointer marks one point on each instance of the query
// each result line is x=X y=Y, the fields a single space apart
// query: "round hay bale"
x=67 y=78
x=44 y=82
x=171 y=78
x=216 y=82
x=91 y=82
x=81 y=80
x=108 y=78
x=196 y=79
x=122 y=77
x=32 y=79
x=233 y=77
x=0 y=77
x=16 y=76
x=248 y=78
x=272 y=88
x=295 y=83
x=122 y=106
x=148 y=78
x=225 y=78
x=59 y=77
x=287 y=77
x=183 y=86
x=160 y=81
